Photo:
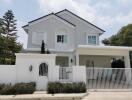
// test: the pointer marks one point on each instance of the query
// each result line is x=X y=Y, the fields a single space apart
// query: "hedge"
x=19 y=88
x=57 y=87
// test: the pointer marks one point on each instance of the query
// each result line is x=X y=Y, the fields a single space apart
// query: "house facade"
x=74 y=40
x=76 y=55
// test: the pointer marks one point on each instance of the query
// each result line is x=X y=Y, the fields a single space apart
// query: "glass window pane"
x=91 y=39
x=62 y=38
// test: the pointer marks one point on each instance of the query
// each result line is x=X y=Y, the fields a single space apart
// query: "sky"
x=110 y=15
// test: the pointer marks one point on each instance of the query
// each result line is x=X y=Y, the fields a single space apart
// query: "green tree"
x=1 y=22
x=122 y=38
x=43 y=47
x=9 y=24
x=8 y=38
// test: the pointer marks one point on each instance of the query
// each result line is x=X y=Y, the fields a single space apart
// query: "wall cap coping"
x=34 y=55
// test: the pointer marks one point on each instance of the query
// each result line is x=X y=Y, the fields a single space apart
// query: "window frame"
x=63 y=38
x=87 y=40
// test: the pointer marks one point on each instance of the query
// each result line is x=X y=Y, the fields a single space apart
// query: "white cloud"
x=109 y=15
x=76 y=6
x=7 y=1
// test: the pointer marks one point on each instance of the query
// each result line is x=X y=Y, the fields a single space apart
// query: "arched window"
x=43 y=69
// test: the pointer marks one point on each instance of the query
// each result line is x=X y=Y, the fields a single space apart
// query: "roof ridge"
x=80 y=18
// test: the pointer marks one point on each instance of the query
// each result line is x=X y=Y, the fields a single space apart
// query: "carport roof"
x=105 y=47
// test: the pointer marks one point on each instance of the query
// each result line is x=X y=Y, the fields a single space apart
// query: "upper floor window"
x=92 y=39
x=61 y=38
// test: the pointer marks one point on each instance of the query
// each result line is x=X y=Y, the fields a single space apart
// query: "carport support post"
x=127 y=65
x=77 y=59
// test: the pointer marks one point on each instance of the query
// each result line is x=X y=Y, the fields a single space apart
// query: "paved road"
x=108 y=96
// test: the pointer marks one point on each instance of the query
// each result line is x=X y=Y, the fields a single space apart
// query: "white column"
x=77 y=59
x=127 y=66
x=127 y=61
x=70 y=63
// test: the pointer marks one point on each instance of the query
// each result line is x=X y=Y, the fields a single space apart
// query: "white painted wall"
x=51 y=26
x=54 y=71
x=7 y=74
x=24 y=61
x=82 y=28
x=79 y=74
x=21 y=73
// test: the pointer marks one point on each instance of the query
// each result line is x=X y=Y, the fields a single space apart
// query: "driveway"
x=108 y=96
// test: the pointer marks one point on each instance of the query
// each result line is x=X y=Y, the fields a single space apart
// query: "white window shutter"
x=65 y=38
x=38 y=37
x=45 y=37
x=34 y=38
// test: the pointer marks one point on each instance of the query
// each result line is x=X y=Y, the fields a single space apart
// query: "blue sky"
x=109 y=15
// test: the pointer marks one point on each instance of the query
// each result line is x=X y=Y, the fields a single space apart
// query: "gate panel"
x=108 y=78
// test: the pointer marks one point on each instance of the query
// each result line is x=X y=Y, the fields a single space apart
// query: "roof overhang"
x=25 y=27
x=103 y=50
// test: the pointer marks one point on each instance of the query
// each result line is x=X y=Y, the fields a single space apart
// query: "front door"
x=42 y=80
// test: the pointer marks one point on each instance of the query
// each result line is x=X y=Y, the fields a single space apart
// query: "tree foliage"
x=43 y=47
x=8 y=38
x=9 y=24
x=122 y=38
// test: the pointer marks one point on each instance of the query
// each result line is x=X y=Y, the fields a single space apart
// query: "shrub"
x=79 y=87
x=67 y=88
x=1 y=86
x=7 y=90
x=24 y=88
x=19 y=88
x=56 y=87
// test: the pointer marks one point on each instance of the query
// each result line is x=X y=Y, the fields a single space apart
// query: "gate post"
x=128 y=71
x=79 y=74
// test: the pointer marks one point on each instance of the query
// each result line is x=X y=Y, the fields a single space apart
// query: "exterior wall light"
x=71 y=60
x=30 y=68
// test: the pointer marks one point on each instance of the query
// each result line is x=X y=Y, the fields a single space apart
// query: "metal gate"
x=108 y=78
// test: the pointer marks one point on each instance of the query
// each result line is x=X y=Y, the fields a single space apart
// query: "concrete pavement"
x=44 y=96
x=108 y=96
x=105 y=95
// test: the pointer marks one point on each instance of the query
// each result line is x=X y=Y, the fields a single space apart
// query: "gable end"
x=80 y=18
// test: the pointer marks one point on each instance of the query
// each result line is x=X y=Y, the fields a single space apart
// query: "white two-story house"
x=74 y=40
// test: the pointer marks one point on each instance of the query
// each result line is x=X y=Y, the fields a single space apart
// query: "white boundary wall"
x=8 y=74
x=79 y=74
x=24 y=61
x=20 y=72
